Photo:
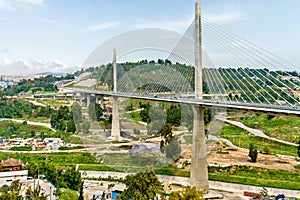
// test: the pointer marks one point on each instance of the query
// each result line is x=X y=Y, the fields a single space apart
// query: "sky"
x=58 y=35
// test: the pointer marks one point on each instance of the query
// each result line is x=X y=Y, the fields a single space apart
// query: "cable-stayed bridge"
x=207 y=67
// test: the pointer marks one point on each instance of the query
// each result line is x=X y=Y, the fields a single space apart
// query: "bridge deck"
x=206 y=103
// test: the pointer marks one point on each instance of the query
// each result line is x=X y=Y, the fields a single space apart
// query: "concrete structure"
x=88 y=100
x=100 y=100
x=199 y=171
x=53 y=140
x=115 y=127
x=13 y=175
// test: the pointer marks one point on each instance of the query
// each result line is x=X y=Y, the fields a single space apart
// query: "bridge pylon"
x=199 y=171
x=115 y=126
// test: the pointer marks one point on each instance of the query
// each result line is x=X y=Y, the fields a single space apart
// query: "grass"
x=282 y=127
x=242 y=138
x=74 y=140
x=132 y=163
x=68 y=194
x=70 y=148
x=55 y=103
x=188 y=139
x=57 y=159
x=256 y=176
x=23 y=131
x=21 y=148
x=244 y=175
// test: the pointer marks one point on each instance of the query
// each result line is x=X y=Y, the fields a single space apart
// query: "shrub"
x=252 y=153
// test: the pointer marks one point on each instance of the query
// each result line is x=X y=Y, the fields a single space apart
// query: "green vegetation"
x=141 y=186
x=256 y=176
x=298 y=152
x=244 y=175
x=172 y=170
x=70 y=148
x=187 y=194
x=286 y=128
x=21 y=148
x=62 y=119
x=95 y=111
x=54 y=103
x=15 y=193
x=253 y=153
x=11 y=129
x=57 y=159
x=242 y=138
x=67 y=194
x=43 y=84
x=37 y=85
x=131 y=163
x=13 y=108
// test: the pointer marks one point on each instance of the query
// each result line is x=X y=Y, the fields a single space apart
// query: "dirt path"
x=36 y=103
x=47 y=125
x=257 y=132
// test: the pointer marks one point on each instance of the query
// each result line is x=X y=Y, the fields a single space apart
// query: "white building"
x=13 y=175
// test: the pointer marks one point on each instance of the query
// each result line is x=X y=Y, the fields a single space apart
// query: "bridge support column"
x=101 y=99
x=199 y=171
x=115 y=126
x=88 y=100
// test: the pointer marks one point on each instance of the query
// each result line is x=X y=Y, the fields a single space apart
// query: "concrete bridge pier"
x=115 y=126
x=88 y=100
x=100 y=100
x=199 y=171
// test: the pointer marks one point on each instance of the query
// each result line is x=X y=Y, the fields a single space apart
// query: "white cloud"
x=13 y=4
x=176 y=25
x=57 y=23
x=6 y=5
x=102 y=26
x=224 y=17
x=28 y=66
x=34 y=2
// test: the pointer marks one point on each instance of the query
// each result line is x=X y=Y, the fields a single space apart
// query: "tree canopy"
x=141 y=186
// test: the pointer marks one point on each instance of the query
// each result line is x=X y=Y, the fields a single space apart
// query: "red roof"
x=11 y=162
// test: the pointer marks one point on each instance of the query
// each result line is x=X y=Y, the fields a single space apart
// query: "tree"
x=92 y=111
x=252 y=153
x=166 y=131
x=77 y=113
x=70 y=178
x=71 y=126
x=188 y=194
x=35 y=194
x=32 y=133
x=299 y=149
x=85 y=126
x=173 y=150
x=13 y=193
x=81 y=197
x=141 y=186
x=174 y=115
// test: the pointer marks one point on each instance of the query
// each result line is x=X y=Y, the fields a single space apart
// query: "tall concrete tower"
x=199 y=171
x=115 y=126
